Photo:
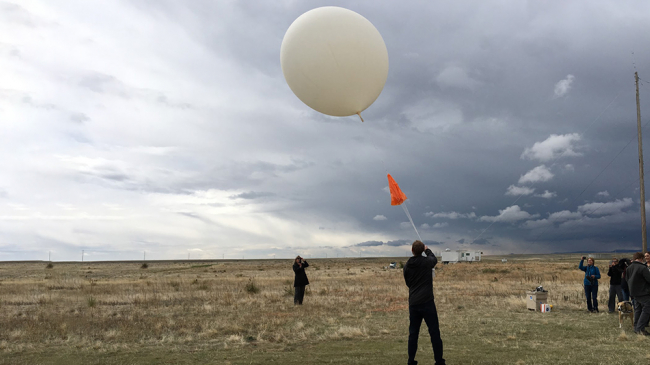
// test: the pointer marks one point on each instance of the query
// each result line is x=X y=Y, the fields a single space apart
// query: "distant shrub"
x=92 y=302
x=288 y=291
x=401 y=265
x=144 y=265
x=251 y=288
x=49 y=265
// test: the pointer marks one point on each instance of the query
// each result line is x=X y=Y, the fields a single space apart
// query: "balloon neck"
x=360 y=117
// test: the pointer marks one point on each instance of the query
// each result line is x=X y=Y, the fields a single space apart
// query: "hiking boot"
x=642 y=333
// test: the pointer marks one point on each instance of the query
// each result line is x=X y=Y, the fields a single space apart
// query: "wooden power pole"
x=638 y=125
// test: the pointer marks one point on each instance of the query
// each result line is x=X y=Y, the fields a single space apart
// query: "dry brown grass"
x=108 y=307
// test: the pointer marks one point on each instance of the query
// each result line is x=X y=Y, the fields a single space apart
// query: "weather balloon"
x=334 y=60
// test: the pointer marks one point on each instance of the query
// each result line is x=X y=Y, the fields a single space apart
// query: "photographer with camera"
x=301 y=280
x=615 y=273
x=592 y=274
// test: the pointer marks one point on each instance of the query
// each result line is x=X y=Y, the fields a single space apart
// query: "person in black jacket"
x=615 y=272
x=638 y=279
x=301 y=280
x=419 y=279
x=624 y=263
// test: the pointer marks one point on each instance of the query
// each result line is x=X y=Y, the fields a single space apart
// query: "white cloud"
x=519 y=190
x=547 y=194
x=553 y=147
x=604 y=194
x=569 y=167
x=557 y=217
x=509 y=215
x=608 y=208
x=404 y=225
x=538 y=174
x=563 y=86
x=564 y=215
x=380 y=218
x=425 y=226
x=451 y=215
x=441 y=225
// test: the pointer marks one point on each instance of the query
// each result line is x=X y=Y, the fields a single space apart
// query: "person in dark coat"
x=418 y=277
x=590 y=282
x=301 y=280
x=615 y=273
x=624 y=263
x=638 y=279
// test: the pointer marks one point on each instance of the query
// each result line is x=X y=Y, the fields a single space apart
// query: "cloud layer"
x=167 y=127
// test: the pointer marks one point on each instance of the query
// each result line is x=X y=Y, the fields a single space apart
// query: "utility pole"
x=49 y=256
x=144 y=255
x=638 y=125
x=82 y=255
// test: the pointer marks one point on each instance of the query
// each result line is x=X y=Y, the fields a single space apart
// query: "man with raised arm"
x=419 y=279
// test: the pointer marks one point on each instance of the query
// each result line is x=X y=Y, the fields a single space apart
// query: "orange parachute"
x=397 y=197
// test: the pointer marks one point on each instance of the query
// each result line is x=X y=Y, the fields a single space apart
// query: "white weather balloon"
x=334 y=60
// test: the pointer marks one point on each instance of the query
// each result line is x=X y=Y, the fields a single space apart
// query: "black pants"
x=300 y=293
x=641 y=312
x=417 y=313
x=614 y=291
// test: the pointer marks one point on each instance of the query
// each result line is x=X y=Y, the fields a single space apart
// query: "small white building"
x=449 y=256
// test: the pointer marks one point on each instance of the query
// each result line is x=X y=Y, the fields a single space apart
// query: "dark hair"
x=638 y=256
x=297 y=257
x=417 y=248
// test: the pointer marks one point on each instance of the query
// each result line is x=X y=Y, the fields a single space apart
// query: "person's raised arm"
x=582 y=267
x=305 y=264
x=431 y=257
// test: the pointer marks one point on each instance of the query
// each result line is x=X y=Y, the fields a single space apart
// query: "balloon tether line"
x=403 y=204
x=410 y=219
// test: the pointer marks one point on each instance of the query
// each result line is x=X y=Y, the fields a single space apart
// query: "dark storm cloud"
x=481 y=241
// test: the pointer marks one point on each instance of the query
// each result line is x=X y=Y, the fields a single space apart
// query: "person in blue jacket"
x=592 y=274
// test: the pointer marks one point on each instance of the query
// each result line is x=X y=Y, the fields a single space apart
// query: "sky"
x=165 y=130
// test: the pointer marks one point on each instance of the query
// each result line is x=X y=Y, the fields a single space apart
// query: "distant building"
x=449 y=256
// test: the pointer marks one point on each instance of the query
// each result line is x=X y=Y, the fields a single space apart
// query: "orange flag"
x=397 y=197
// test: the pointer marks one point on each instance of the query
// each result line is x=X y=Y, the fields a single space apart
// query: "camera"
x=584 y=257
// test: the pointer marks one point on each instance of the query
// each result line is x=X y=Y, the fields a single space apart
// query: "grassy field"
x=355 y=312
